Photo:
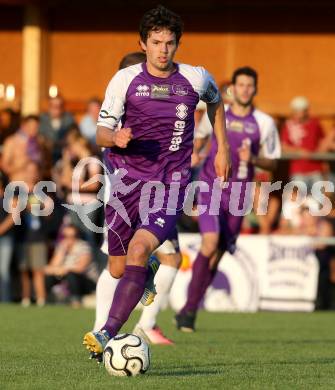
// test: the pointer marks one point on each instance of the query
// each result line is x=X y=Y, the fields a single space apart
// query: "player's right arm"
x=112 y=109
x=108 y=138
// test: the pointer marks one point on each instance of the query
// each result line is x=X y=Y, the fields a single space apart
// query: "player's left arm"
x=216 y=115
x=210 y=94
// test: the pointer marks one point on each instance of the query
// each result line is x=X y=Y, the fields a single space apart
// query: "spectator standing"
x=34 y=253
x=78 y=148
x=303 y=134
x=72 y=262
x=9 y=123
x=88 y=124
x=6 y=243
x=21 y=148
x=55 y=123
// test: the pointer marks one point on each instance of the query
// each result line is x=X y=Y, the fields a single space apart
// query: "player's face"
x=244 y=90
x=160 y=49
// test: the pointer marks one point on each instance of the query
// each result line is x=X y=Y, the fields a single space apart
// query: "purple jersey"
x=160 y=112
x=258 y=131
x=255 y=129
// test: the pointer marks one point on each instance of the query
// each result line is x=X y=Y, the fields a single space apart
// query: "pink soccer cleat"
x=152 y=336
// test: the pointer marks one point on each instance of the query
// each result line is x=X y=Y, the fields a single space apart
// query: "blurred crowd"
x=53 y=257
x=56 y=258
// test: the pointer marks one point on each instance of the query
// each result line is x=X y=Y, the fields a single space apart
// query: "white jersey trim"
x=201 y=81
x=270 y=142
x=112 y=108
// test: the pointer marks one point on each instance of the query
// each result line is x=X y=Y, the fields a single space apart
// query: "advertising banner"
x=265 y=272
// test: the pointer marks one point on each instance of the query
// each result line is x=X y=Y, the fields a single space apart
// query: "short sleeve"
x=112 y=107
x=202 y=82
x=270 y=141
x=209 y=92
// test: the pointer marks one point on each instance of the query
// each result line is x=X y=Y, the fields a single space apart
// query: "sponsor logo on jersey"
x=160 y=91
x=180 y=90
x=179 y=127
x=181 y=111
x=235 y=126
x=142 y=90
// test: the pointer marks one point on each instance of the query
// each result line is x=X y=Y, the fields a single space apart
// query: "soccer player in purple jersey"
x=254 y=142
x=155 y=102
x=169 y=257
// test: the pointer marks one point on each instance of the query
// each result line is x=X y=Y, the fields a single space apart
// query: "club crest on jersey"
x=250 y=128
x=179 y=90
x=160 y=91
x=142 y=90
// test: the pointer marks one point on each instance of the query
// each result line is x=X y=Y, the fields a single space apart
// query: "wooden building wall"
x=10 y=46
x=289 y=64
x=293 y=55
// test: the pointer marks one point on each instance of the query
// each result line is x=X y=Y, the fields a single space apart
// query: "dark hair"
x=246 y=71
x=27 y=118
x=159 y=18
x=132 y=59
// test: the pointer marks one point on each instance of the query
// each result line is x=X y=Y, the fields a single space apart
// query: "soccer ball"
x=126 y=355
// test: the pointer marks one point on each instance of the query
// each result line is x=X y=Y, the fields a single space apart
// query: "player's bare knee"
x=116 y=272
x=138 y=253
x=116 y=266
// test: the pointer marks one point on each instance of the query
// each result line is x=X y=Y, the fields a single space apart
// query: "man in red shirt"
x=303 y=134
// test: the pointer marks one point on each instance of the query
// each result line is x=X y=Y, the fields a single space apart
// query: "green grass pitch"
x=41 y=349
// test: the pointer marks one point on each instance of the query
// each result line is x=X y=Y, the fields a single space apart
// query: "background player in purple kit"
x=254 y=142
x=155 y=102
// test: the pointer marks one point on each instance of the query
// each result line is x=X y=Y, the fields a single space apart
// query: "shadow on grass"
x=282 y=362
x=291 y=342
x=186 y=372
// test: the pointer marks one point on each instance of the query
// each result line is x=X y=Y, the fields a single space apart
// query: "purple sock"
x=127 y=295
x=209 y=280
x=196 y=289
